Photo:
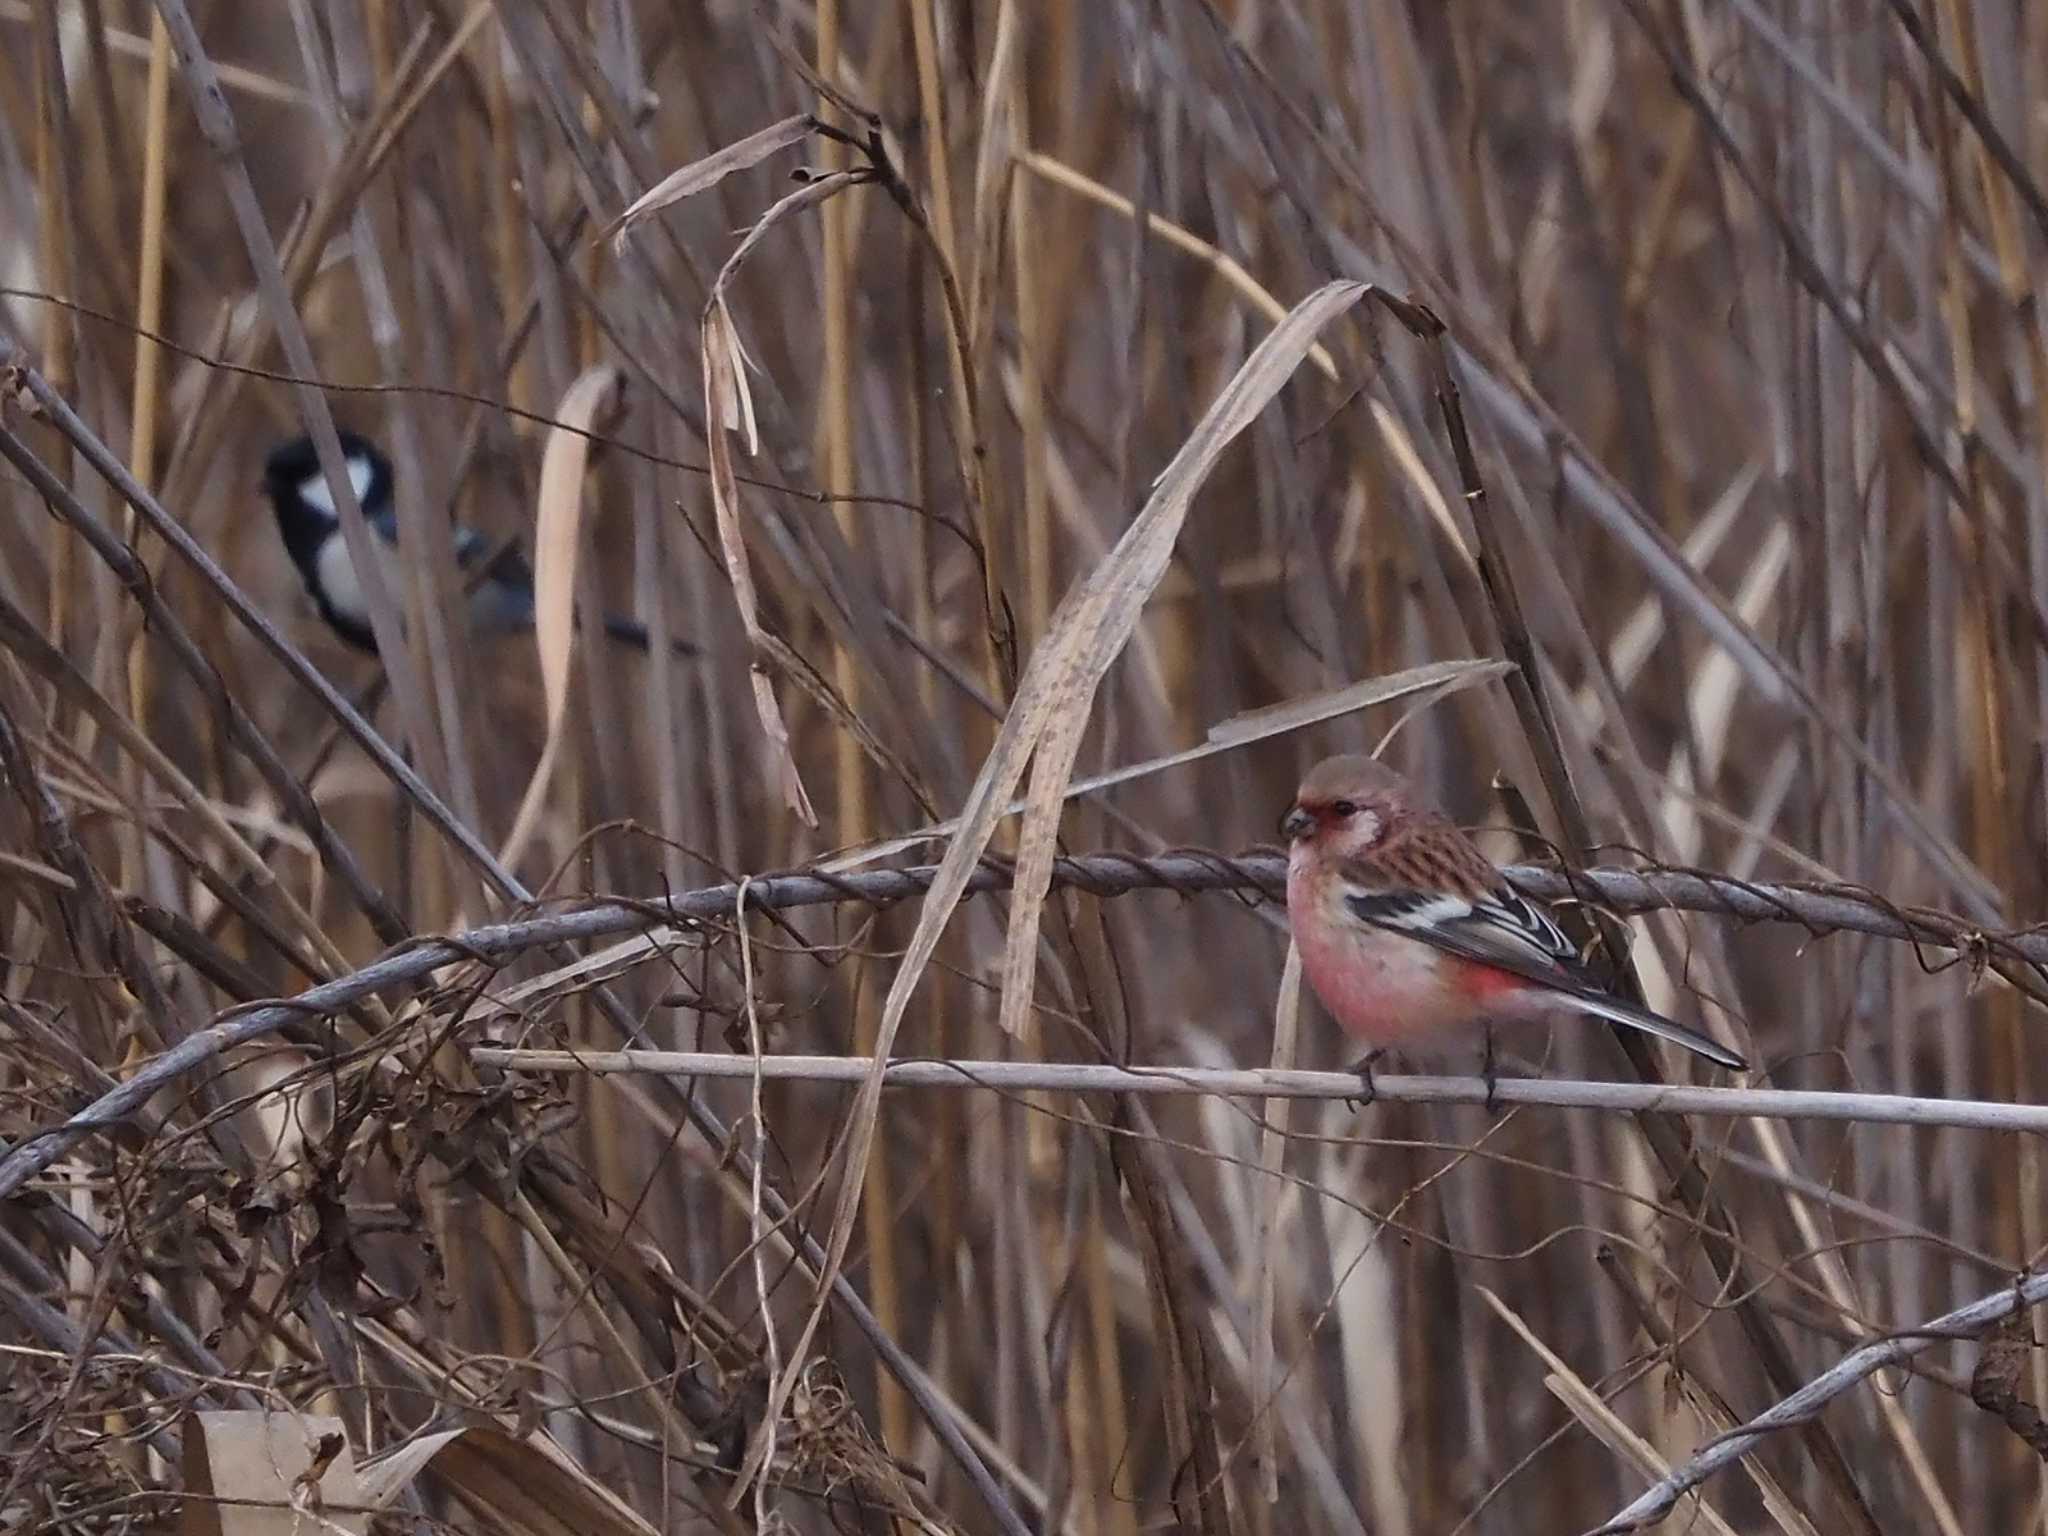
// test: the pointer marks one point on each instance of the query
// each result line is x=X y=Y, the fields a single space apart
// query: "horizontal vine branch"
x=1259 y=874
x=1271 y=1083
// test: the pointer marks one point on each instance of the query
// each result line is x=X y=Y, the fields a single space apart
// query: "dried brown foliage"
x=1010 y=392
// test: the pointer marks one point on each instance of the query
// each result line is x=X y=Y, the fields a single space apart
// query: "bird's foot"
x=1489 y=1073
x=1362 y=1070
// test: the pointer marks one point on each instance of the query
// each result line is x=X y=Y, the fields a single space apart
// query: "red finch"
x=1409 y=934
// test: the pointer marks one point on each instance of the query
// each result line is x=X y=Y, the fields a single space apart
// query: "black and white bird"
x=500 y=599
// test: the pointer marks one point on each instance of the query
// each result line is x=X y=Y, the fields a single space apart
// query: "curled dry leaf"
x=723 y=385
x=735 y=398
x=729 y=406
x=557 y=541
x=702 y=175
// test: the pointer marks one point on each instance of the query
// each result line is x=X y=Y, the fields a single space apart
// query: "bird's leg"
x=1362 y=1069
x=1489 y=1073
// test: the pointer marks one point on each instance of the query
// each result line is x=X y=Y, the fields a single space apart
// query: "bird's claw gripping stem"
x=1362 y=1069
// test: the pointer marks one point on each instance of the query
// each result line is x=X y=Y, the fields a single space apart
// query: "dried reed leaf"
x=1082 y=639
x=1439 y=678
x=1097 y=617
x=558 y=526
x=557 y=539
x=702 y=175
x=522 y=1486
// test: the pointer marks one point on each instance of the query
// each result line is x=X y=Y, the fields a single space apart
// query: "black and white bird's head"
x=500 y=585
x=310 y=524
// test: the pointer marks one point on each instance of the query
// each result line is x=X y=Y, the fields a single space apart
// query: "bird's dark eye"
x=1344 y=808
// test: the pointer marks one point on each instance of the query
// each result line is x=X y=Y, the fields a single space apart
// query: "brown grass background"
x=1740 y=306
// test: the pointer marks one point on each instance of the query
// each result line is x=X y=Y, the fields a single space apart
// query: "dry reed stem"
x=1281 y=1083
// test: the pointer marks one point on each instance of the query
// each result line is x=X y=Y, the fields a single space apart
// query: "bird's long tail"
x=1616 y=1011
x=632 y=632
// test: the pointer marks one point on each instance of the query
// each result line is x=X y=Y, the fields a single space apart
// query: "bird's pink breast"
x=1383 y=990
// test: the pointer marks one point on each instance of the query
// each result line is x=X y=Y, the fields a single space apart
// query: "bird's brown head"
x=1345 y=806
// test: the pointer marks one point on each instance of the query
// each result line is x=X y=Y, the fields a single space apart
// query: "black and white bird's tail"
x=1615 y=1011
x=632 y=632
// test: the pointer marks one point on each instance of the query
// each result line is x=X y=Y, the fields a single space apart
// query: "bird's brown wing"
x=1453 y=899
x=1427 y=879
x=1490 y=926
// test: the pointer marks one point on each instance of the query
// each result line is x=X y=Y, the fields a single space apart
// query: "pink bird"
x=1411 y=936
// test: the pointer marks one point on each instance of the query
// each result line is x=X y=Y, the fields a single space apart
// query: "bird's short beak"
x=1297 y=824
